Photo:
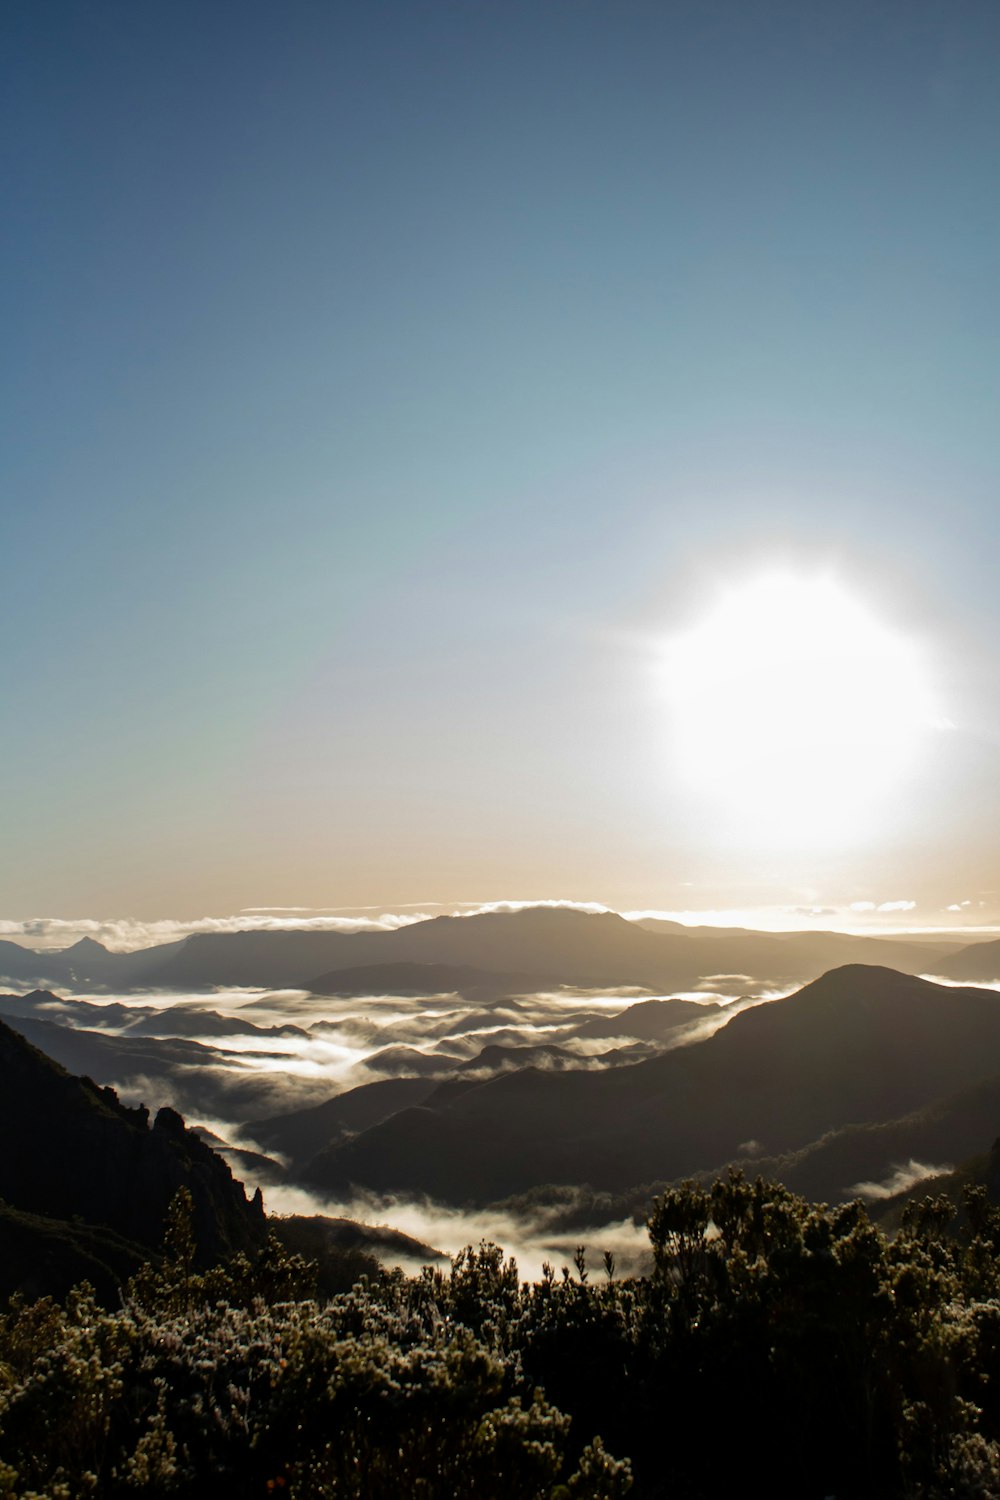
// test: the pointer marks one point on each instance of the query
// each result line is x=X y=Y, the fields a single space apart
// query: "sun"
x=795 y=713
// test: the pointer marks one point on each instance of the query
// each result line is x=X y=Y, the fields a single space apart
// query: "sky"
x=458 y=451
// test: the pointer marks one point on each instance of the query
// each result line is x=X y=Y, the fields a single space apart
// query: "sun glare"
x=796 y=713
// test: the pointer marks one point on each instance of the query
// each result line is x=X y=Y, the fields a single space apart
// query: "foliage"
x=833 y=1359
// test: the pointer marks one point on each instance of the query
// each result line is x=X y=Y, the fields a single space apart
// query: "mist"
x=532 y=1242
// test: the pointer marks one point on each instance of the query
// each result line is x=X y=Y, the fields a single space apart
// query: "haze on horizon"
x=461 y=452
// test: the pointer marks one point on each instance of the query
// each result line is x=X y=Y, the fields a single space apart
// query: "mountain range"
x=483 y=1090
x=860 y=1045
x=531 y=947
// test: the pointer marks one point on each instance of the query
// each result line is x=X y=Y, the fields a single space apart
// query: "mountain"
x=107 y=1056
x=980 y=1170
x=194 y=1076
x=192 y=1021
x=787 y=956
x=410 y=1062
x=530 y=947
x=85 y=965
x=75 y=1151
x=24 y=965
x=251 y=1166
x=420 y=979
x=310 y=1236
x=544 y=944
x=342 y=1250
x=302 y=1132
x=947 y=1130
x=977 y=961
x=496 y=1057
x=859 y=1044
x=177 y=1020
x=41 y=1256
x=649 y=1019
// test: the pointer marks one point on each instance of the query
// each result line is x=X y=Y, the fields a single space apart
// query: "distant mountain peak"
x=84 y=947
x=875 y=979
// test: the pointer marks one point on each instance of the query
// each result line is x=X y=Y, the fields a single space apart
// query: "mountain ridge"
x=539 y=943
x=860 y=1044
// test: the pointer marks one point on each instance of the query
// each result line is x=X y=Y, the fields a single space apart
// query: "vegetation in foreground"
x=777 y=1341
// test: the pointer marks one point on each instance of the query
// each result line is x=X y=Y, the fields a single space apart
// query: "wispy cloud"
x=900 y=1179
x=477 y=908
x=128 y=933
x=878 y=906
x=530 y=1240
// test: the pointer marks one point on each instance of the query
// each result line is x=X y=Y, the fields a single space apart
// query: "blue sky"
x=382 y=380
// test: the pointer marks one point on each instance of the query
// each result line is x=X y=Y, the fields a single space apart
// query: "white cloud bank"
x=902 y=1177
x=125 y=934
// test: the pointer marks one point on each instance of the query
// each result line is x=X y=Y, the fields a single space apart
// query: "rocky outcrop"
x=71 y=1150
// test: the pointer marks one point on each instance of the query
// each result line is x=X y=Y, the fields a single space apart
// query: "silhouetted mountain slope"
x=23 y=965
x=44 y=1257
x=343 y=1250
x=46 y=1006
x=549 y=944
x=420 y=979
x=502 y=1056
x=185 y=1021
x=478 y=1020
x=74 y=1149
x=246 y=1166
x=88 y=961
x=311 y=1235
x=652 y=1019
x=180 y=1020
x=196 y=1077
x=302 y=1132
x=495 y=1056
x=85 y=965
x=977 y=961
x=110 y=1057
x=410 y=1062
x=947 y=1130
x=532 y=947
x=860 y=1044
x=979 y=1170
x=788 y=956
x=273 y=959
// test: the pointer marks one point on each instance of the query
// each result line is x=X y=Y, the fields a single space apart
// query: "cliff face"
x=69 y=1149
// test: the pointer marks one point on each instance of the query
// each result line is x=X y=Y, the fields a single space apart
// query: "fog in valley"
x=287 y=1050
x=417 y=1093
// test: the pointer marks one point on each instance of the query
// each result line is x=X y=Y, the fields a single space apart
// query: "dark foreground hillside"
x=779 y=1348
x=86 y=1182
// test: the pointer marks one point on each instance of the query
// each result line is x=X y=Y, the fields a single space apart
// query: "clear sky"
x=392 y=389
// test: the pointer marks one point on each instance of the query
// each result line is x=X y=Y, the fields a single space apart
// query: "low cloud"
x=899 y=1181
x=221 y=1070
x=755 y=919
x=529 y=1239
x=881 y=906
x=125 y=934
x=963 y=984
x=478 y=908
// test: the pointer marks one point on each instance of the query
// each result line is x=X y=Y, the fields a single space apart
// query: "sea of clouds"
x=227 y=1079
